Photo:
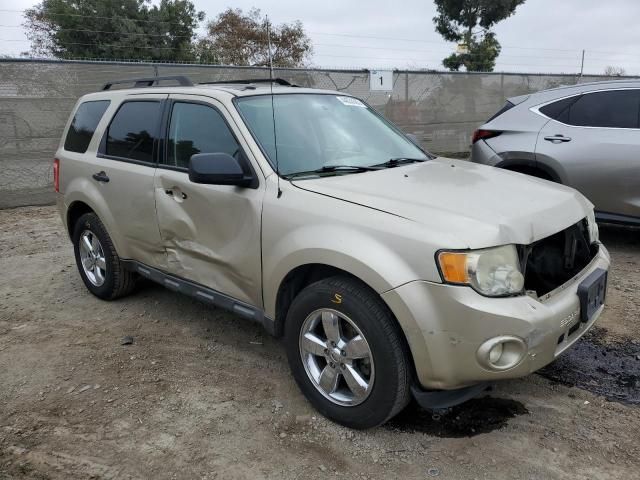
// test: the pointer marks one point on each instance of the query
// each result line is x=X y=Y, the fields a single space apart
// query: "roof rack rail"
x=247 y=81
x=150 y=81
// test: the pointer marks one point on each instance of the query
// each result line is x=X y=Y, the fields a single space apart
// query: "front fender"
x=369 y=260
x=337 y=246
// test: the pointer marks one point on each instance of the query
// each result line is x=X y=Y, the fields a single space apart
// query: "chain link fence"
x=36 y=97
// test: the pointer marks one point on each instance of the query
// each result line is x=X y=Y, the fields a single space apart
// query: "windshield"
x=315 y=131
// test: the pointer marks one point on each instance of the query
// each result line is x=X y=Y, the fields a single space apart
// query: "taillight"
x=483 y=135
x=56 y=174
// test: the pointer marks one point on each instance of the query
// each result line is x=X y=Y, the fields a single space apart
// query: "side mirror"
x=217 y=169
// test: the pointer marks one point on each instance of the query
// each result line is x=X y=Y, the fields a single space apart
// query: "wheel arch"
x=304 y=275
x=296 y=280
x=82 y=197
x=74 y=212
x=530 y=167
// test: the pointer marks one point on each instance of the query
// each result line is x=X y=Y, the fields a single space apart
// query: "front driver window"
x=197 y=128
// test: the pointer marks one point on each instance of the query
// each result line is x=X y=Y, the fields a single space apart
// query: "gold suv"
x=389 y=272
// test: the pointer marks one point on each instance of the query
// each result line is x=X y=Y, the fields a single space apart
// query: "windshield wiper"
x=394 y=162
x=333 y=169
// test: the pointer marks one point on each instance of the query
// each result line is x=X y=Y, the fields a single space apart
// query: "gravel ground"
x=203 y=394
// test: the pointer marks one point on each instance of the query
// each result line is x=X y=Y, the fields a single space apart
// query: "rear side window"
x=196 y=128
x=613 y=109
x=133 y=131
x=84 y=124
x=618 y=109
x=505 y=108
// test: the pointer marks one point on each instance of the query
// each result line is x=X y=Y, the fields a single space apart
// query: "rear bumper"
x=62 y=209
x=447 y=325
x=482 y=153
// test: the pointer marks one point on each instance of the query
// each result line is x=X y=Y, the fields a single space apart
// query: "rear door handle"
x=101 y=177
x=557 y=138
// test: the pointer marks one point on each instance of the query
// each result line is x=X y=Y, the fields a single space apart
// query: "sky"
x=546 y=36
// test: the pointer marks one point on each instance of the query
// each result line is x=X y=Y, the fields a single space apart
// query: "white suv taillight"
x=483 y=135
x=56 y=174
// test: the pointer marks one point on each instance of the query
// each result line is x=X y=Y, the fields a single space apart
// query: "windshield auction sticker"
x=351 y=102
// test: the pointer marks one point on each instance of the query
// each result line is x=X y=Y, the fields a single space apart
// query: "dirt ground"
x=201 y=394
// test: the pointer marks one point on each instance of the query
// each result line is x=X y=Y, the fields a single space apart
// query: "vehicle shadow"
x=474 y=417
x=211 y=325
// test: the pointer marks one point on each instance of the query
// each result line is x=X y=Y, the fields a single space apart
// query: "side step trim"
x=617 y=219
x=202 y=293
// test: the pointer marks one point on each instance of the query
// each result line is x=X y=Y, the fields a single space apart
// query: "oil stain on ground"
x=480 y=415
x=608 y=369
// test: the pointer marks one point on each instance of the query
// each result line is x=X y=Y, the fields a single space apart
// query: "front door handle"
x=180 y=195
x=101 y=177
x=557 y=138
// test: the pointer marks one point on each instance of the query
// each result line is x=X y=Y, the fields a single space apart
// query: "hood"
x=480 y=206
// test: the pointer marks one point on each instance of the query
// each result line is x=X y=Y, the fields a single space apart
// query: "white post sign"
x=381 y=80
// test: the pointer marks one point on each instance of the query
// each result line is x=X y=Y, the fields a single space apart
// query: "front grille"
x=553 y=261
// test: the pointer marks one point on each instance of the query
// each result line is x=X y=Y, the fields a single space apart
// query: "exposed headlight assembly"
x=494 y=272
x=594 y=234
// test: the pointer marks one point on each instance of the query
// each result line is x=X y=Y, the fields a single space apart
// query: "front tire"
x=347 y=353
x=98 y=262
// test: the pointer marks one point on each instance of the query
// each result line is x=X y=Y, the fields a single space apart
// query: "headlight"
x=594 y=234
x=493 y=272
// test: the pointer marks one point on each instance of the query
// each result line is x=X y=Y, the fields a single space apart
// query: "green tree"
x=111 y=29
x=469 y=23
x=238 y=38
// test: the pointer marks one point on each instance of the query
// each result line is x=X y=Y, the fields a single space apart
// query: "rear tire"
x=97 y=260
x=368 y=349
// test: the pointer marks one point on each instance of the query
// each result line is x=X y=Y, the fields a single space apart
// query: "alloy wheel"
x=92 y=258
x=336 y=357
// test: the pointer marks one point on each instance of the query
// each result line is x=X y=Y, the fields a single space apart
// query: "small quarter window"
x=84 y=124
x=559 y=110
x=133 y=131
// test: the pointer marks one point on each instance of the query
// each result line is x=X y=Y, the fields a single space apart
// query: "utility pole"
x=269 y=46
x=582 y=65
x=406 y=86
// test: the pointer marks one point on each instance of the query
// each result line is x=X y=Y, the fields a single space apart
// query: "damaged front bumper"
x=451 y=329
